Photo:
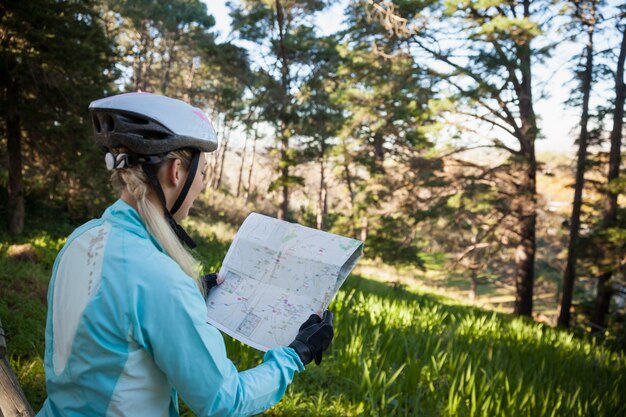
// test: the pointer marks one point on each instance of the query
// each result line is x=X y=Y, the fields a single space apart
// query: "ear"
x=173 y=172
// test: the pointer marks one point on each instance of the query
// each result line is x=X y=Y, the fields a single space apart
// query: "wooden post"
x=12 y=400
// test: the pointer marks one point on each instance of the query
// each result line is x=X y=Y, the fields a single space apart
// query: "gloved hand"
x=314 y=338
x=210 y=281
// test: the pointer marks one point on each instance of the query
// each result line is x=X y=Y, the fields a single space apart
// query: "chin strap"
x=150 y=171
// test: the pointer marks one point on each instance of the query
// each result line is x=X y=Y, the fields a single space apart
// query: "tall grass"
x=402 y=354
x=396 y=353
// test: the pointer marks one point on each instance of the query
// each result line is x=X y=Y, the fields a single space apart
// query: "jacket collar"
x=125 y=216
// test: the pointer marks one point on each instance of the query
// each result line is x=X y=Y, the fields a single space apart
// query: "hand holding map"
x=276 y=274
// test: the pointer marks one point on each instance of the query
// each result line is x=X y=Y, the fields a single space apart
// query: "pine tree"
x=586 y=13
x=614 y=234
x=483 y=53
x=385 y=95
x=55 y=60
x=284 y=33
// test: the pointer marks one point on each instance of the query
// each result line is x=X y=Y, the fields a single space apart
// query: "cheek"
x=194 y=192
x=197 y=186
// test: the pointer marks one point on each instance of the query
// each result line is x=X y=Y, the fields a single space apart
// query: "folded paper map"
x=276 y=274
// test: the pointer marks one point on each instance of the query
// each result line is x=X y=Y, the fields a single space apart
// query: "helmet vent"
x=154 y=134
x=109 y=124
x=133 y=119
x=96 y=123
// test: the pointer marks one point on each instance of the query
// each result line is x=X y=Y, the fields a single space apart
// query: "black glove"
x=209 y=281
x=314 y=337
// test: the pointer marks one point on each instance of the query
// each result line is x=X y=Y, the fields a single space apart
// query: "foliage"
x=158 y=41
x=55 y=59
x=290 y=58
x=479 y=55
x=383 y=140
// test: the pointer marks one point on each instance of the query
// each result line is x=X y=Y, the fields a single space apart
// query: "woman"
x=126 y=328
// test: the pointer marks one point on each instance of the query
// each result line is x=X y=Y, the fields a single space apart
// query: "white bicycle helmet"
x=150 y=126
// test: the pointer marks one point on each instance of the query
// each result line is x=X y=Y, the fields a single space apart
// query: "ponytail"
x=136 y=182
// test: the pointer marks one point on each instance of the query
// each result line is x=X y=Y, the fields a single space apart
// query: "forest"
x=493 y=280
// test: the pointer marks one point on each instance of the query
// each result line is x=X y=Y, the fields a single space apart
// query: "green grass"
x=405 y=354
x=397 y=352
x=23 y=308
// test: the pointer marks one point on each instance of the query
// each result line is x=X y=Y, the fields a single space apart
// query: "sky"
x=558 y=124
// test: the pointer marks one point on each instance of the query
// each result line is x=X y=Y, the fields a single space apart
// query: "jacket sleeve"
x=169 y=321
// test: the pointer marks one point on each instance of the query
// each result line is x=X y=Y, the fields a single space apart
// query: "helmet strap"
x=193 y=168
x=182 y=235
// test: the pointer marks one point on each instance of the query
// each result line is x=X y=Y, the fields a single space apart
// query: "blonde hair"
x=135 y=180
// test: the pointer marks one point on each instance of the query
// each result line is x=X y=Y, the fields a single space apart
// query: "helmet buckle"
x=114 y=161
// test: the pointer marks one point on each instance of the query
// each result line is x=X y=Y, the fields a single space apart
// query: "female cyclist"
x=126 y=329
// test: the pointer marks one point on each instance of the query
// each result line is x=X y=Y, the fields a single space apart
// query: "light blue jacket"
x=127 y=331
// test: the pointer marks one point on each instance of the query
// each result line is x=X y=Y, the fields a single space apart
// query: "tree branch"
x=484 y=118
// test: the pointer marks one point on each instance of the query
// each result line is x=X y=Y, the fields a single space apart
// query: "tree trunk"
x=218 y=180
x=283 y=212
x=603 y=294
x=12 y=400
x=189 y=80
x=349 y=180
x=172 y=57
x=378 y=142
x=148 y=41
x=249 y=187
x=215 y=165
x=14 y=149
x=214 y=157
x=140 y=58
x=526 y=210
x=473 y=287
x=243 y=160
x=569 y=275
x=365 y=227
x=165 y=82
x=322 y=206
x=525 y=256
